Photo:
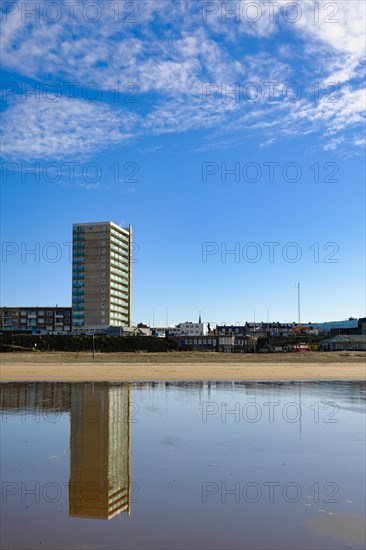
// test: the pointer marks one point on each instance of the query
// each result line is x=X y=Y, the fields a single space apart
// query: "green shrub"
x=103 y=343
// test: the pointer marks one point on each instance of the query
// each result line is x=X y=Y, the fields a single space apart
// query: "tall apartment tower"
x=101 y=275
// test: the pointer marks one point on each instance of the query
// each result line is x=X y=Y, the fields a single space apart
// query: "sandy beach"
x=118 y=367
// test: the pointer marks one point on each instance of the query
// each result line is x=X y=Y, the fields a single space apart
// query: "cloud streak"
x=63 y=129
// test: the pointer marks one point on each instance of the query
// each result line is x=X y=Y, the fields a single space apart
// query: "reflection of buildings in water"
x=49 y=399
x=99 y=485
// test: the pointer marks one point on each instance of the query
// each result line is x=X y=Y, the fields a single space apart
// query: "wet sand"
x=121 y=367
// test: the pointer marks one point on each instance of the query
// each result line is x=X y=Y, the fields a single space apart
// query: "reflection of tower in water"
x=99 y=485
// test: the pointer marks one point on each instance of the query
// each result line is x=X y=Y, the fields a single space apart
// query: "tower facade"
x=101 y=275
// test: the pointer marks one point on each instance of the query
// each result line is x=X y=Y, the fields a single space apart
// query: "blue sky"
x=121 y=114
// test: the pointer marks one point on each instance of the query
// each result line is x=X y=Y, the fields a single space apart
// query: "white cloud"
x=170 y=53
x=340 y=25
x=340 y=29
x=64 y=128
x=333 y=144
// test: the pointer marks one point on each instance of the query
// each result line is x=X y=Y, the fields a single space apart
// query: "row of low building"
x=191 y=336
x=240 y=344
x=59 y=320
x=347 y=326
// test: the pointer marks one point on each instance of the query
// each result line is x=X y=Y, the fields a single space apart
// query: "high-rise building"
x=101 y=275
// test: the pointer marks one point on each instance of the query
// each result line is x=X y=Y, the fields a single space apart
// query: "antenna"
x=298 y=303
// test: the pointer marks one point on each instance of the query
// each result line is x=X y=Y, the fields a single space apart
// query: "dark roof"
x=356 y=338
